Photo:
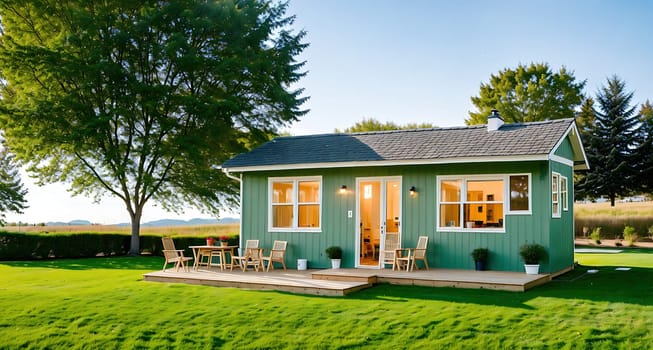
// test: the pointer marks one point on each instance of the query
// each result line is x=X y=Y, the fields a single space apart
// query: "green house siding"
x=446 y=249
x=561 y=240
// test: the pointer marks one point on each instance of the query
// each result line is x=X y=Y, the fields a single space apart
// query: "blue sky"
x=421 y=61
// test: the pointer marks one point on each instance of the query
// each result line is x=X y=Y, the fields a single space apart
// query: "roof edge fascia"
x=408 y=162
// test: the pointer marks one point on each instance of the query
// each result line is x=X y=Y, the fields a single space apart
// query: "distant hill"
x=70 y=223
x=191 y=222
x=156 y=223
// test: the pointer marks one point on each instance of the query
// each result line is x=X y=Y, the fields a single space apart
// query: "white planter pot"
x=335 y=263
x=532 y=269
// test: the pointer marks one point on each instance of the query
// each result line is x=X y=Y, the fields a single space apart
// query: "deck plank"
x=340 y=282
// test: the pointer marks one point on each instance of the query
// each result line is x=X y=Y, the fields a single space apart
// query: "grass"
x=191 y=230
x=629 y=209
x=103 y=303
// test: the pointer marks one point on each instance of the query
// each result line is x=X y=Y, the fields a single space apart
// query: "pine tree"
x=610 y=147
x=585 y=121
x=12 y=192
x=645 y=149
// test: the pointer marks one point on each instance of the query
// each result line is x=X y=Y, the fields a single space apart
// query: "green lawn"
x=104 y=304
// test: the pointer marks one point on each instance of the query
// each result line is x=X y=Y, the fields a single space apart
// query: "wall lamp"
x=343 y=189
x=412 y=190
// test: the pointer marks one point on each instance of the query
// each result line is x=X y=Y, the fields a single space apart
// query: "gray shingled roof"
x=525 y=139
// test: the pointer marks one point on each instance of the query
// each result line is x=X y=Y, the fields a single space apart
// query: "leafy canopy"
x=143 y=100
x=527 y=94
x=372 y=124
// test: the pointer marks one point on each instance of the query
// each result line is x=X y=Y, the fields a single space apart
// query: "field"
x=103 y=303
x=612 y=220
x=193 y=230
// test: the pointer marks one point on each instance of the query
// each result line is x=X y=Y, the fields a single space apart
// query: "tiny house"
x=494 y=186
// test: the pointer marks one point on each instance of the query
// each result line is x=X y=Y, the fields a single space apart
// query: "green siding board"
x=565 y=150
x=446 y=249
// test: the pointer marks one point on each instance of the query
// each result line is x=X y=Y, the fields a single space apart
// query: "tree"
x=528 y=94
x=585 y=121
x=610 y=147
x=12 y=192
x=645 y=150
x=143 y=100
x=372 y=124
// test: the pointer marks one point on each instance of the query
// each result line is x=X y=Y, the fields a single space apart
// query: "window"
x=520 y=199
x=564 y=193
x=555 y=195
x=471 y=203
x=295 y=204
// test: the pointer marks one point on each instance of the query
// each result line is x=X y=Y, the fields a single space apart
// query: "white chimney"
x=494 y=121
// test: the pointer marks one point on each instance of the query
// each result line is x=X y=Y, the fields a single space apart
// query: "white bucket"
x=301 y=264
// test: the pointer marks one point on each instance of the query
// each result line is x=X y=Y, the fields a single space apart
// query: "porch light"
x=343 y=189
x=412 y=191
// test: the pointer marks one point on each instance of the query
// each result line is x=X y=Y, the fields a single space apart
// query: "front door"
x=379 y=212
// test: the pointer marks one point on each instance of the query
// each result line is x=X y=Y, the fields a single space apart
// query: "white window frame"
x=295 y=203
x=564 y=193
x=555 y=195
x=509 y=210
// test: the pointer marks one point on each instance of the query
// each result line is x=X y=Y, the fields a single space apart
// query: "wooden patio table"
x=211 y=248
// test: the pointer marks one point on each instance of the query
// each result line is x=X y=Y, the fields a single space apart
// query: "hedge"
x=33 y=246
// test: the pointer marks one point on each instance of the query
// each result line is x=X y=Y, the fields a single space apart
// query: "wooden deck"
x=341 y=282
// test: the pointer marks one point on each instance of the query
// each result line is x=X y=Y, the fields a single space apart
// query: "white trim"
x=382 y=211
x=576 y=145
x=357 y=164
x=564 y=199
x=530 y=195
x=295 y=204
x=561 y=160
x=463 y=190
x=558 y=214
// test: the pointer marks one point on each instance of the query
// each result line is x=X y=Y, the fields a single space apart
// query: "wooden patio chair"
x=277 y=254
x=173 y=255
x=251 y=256
x=418 y=253
x=390 y=250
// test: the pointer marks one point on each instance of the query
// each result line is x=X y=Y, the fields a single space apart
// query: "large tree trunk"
x=135 y=246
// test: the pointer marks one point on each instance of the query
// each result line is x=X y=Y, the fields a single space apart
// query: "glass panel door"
x=379 y=212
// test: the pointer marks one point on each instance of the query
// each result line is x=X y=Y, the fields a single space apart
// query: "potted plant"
x=224 y=240
x=335 y=254
x=210 y=240
x=480 y=256
x=532 y=254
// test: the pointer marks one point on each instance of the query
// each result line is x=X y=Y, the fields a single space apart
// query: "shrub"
x=532 y=253
x=480 y=254
x=630 y=235
x=334 y=252
x=34 y=246
x=650 y=232
x=596 y=235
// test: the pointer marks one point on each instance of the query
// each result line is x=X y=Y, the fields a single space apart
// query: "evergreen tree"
x=585 y=121
x=12 y=192
x=610 y=147
x=645 y=149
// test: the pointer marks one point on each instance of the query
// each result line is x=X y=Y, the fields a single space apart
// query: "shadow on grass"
x=607 y=285
x=122 y=263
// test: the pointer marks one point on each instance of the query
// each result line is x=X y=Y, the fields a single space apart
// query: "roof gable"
x=473 y=143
